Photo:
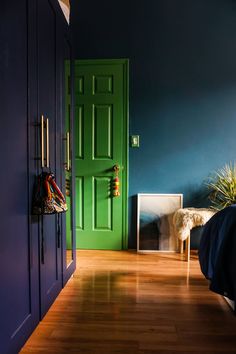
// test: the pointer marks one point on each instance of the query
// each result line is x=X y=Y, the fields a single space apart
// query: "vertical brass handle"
x=42 y=141
x=68 y=150
x=47 y=142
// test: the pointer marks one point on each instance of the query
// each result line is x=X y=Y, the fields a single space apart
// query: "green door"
x=101 y=117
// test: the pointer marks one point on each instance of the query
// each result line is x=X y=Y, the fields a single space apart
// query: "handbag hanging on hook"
x=48 y=198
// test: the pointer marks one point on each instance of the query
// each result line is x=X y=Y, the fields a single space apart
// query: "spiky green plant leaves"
x=222 y=187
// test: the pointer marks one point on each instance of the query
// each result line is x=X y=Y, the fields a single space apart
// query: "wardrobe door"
x=19 y=311
x=68 y=225
x=50 y=245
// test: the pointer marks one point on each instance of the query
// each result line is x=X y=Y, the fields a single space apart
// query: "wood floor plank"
x=124 y=302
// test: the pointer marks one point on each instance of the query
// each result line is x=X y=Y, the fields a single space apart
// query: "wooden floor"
x=123 y=302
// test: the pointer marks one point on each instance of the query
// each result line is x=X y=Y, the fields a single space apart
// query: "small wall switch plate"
x=134 y=141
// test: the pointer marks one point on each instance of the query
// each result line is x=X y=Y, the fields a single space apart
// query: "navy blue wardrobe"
x=34 y=46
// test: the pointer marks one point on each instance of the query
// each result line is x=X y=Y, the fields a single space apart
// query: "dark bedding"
x=217 y=252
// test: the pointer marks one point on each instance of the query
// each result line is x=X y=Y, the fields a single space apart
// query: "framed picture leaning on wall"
x=155 y=231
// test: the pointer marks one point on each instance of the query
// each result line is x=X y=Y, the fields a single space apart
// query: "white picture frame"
x=155 y=231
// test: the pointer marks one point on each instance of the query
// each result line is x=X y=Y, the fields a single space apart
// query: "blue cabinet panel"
x=50 y=265
x=19 y=291
x=66 y=69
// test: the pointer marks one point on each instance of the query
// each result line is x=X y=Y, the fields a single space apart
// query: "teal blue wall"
x=182 y=87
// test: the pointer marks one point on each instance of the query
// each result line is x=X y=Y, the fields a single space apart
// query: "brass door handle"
x=44 y=123
x=47 y=142
x=42 y=141
x=68 y=150
x=67 y=164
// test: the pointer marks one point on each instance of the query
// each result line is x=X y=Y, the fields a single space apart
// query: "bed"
x=217 y=253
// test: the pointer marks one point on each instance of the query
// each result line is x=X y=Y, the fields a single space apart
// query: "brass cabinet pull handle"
x=68 y=150
x=42 y=141
x=44 y=124
x=47 y=142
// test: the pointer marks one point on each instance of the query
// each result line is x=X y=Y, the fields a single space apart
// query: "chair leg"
x=181 y=246
x=187 y=249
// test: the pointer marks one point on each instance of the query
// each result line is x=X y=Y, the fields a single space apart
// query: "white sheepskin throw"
x=187 y=218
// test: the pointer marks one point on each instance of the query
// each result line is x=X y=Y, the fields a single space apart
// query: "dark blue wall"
x=182 y=86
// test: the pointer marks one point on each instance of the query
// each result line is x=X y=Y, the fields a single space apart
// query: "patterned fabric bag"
x=48 y=198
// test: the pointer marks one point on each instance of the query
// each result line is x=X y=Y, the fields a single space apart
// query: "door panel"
x=50 y=269
x=102 y=204
x=67 y=166
x=101 y=143
x=79 y=132
x=102 y=122
x=18 y=246
x=79 y=187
